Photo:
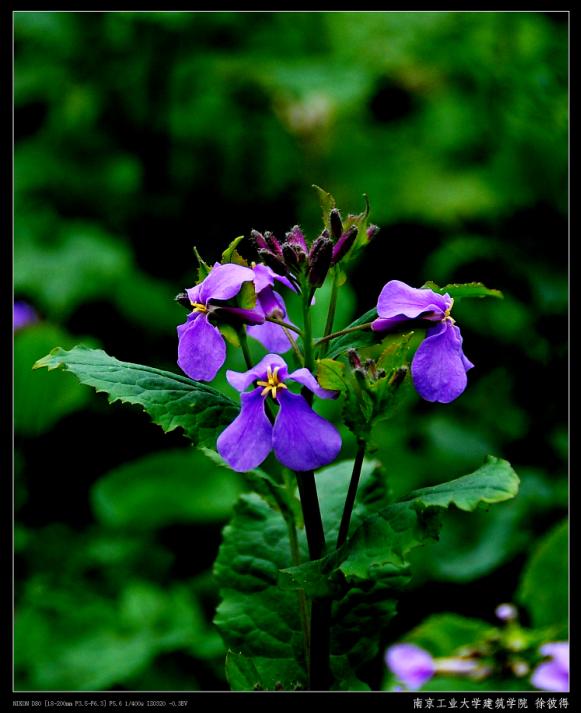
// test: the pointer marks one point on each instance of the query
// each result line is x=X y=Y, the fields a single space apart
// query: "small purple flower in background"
x=201 y=347
x=412 y=665
x=506 y=612
x=553 y=675
x=300 y=438
x=271 y=304
x=23 y=314
x=439 y=366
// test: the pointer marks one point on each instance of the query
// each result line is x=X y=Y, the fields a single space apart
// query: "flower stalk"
x=351 y=494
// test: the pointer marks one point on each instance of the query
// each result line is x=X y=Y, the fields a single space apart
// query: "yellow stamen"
x=447 y=312
x=199 y=307
x=272 y=383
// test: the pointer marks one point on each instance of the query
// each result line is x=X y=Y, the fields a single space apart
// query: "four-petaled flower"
x=201 y=347
x=439 y=366
x=553 y=675
x=301 y=439
x=412 y=665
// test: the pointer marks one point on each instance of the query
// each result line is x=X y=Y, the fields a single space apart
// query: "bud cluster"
x=293 y=256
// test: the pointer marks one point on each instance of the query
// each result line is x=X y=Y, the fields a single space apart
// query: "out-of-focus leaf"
x=165 y=488
x=468 y=289
x=172 y=401
x=327 y=204
x=544 y=585
x=40 y=400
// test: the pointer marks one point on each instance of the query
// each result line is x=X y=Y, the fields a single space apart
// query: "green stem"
x=245 y=349
x=328 y=338
x=332 y=308
x=308 y=334
x=286 y=325
x=351 y=493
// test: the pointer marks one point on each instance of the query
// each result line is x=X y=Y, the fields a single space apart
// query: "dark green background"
x=138 y=135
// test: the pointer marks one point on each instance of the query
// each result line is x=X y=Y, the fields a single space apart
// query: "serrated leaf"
x=330 y=374
x=468 y=289
x=229 y=254
x=493 y=482
x=327 y=204
x=173 y=401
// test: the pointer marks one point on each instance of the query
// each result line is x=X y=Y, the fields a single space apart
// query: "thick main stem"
x=351 y=493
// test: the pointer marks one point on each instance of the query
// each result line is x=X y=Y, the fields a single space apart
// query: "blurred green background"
x=138 y=135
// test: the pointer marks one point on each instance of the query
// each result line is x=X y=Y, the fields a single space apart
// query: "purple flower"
x=506 y=612
x=411 y=664
x=270 y=304
x=439 y=366
x=300 y=438
x=23 y=314
x=201 y=347
x=553 y=675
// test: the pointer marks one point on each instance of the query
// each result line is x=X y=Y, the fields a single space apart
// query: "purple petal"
x=286 y=282
x=245 y=316
x=438 y=367
x=194 y=293
x=559 y=650
x=398 y=299
x=271 y=303
x=248 y=439
x=303 y=376
x=380 y=325
x=264 y=277
x=550 y=676
x=303 y=440
x=411 y=664
x=271 y=336
x=242 y=380
x=224 y=281
x=201 y=348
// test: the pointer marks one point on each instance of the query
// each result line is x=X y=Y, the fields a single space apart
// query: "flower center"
x=199 y=307
x=447 y=313
x=272 y=383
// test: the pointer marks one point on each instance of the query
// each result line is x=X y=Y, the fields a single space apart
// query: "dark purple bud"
x=273 y=261
x=398 y=376
x=291 y=255
x=344 y=244
x=336 y=224
x=295 y=237
x=372 y=231
x=320 y=260
x=258 y=240
x=354 y=358
x=273 y=244
x=183 y=300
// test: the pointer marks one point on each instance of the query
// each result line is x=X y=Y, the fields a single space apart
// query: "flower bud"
x=295 y=237
x=336 y=224
x=320 y=260
x=344 y=244
x=372 y=231
x=273 y=261
x=354 y=358
x=273 y=244
x=183 y=300
x=398 y=376
x=258 y=240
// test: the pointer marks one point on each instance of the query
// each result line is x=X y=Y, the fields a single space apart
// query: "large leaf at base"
x=173 y=401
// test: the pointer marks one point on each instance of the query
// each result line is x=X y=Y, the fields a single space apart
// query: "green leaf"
x=229 y=254
x=544 y=585
x=241 y=673
x=468 y=289
x=229 y=334
x=203 y=267
x=442 y=634
x=165 y=488
x=493 y=482
x=327 y=204
x=330 y=374
x=256 y=617
x=173 y=401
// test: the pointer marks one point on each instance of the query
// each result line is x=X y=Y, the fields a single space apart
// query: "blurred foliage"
x=140 y=134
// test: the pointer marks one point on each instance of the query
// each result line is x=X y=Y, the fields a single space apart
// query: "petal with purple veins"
x=248 y=439
x=271 y=336
x=242 y=380
x=439 y=366
x=303 y=376
x=398 y=299
x=201 y=348
x=224 y=282
x=303 y=440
